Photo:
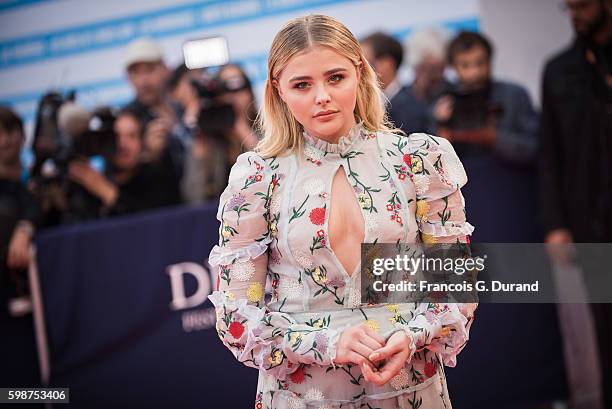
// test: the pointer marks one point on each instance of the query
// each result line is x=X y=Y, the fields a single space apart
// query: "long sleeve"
x=267 y=340
x=438 y=176
x=552 y=203
x=517 y=138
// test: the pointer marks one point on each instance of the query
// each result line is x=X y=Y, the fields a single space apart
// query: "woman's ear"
x=359 y=69
x=276 y=85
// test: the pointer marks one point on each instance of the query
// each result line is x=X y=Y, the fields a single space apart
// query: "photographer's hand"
x=244 y=132
x=443 y=109
x=96 y=183
x=156 y=138
x=19 y=248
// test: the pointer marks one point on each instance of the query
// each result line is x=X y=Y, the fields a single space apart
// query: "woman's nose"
x=322 y=96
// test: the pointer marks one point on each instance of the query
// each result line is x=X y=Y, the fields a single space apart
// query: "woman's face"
x=129 y=143
x=320 y=88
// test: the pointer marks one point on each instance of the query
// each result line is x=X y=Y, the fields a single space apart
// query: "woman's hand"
x=396 y=352
x=356 y=344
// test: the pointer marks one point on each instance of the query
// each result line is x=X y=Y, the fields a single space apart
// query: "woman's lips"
x=327 y=115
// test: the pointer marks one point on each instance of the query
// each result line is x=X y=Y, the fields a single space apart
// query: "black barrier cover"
x=121 y=334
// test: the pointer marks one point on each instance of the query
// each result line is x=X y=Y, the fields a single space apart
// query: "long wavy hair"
x=281 y=131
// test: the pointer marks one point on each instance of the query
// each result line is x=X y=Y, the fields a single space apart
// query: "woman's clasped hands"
x=379 y=361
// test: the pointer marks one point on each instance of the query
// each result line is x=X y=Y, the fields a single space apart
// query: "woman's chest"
x=338 y=203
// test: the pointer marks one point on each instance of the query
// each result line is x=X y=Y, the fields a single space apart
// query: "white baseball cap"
x=142 y=50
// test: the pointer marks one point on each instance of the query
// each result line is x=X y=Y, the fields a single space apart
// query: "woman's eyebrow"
x=328 y=72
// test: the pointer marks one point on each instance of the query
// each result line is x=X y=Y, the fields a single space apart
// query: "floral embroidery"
x=255 y=292
x=277 y=338
x=243 y=271
x=313 y=186
x=317 y=216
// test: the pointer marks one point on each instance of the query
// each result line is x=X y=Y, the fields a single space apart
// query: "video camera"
x=52 y=146
x=215 y=118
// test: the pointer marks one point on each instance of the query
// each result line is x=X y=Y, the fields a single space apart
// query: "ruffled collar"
x=344 y=144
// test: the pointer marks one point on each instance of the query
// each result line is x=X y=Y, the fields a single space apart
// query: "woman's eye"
x=336 y=78
x=301 y=85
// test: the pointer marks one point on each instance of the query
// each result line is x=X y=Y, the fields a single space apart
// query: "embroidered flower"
x=407 y=160
x=321 y=233
x=317 y=216
x=227 y=232
x=236 y=201
x=298 y=376
x=314 y=394
x=313 y=186
x=303 y=260
x=322 y=341
x=295 y=402
x=392 y=307
x=401 y=380
x=422 y=210
x=428 y=238
x=313 y=155
x=275 y=204
x=416 y=164
x=372 y=324
x=236 y=329
x=364 y=201
x=430 y=369
x=421 y=184
x=275 y=357
x=319 y=276
x=255 y=292
x=336 y=282
x=243 y=271
x=290 y=288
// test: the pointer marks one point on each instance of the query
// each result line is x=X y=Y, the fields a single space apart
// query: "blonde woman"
x=328 y=175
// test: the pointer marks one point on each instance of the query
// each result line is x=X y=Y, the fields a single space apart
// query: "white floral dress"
x=274 y=225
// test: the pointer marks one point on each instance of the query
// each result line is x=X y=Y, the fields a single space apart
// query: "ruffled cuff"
x=437 y=229
x=444 y=332
x=225 y=255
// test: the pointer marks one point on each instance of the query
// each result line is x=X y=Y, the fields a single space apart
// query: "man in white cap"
x=148 y=74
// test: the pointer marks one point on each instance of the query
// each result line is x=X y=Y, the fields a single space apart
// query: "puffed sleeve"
x=267 y=340
x=438 y=175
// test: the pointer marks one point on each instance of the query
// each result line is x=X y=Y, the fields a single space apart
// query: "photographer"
x=19 y=215
x=225 y=127
x=493 y=128
x=385 y=54
x=129 y=185
x=164 y=134
x=481 y=114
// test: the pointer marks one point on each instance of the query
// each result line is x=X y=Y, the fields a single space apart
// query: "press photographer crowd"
x=535 y=175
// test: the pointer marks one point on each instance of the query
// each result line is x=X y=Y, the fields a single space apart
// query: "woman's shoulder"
x=414 y=143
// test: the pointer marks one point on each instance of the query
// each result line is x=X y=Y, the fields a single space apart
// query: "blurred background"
x=113 y=154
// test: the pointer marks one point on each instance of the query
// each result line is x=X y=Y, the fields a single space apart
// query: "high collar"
x=344 y=144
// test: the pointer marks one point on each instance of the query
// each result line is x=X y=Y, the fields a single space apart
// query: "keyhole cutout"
x=346 y=225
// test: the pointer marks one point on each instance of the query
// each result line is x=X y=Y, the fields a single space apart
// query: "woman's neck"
x=336 y=137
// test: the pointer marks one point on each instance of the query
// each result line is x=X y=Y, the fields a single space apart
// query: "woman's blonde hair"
x=281 y=130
